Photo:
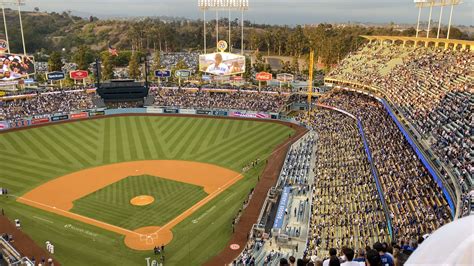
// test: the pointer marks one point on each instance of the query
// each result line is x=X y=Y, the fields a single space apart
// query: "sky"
x=289 y=12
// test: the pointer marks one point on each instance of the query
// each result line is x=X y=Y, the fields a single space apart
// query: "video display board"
x=15 y=66
x=222 y=64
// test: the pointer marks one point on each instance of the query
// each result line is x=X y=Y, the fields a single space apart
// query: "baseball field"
x=106 y=191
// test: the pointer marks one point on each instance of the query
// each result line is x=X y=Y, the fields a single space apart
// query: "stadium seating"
x=346 y=208
x=432 y=88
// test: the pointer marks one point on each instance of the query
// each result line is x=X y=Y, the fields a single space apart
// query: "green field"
x=112 y=203
x=34 y=156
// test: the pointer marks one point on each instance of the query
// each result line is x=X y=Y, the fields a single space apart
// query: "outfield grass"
x=111 y=204
x=31 y=157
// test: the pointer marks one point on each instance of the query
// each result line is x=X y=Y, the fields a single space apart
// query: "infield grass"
x=34 y=156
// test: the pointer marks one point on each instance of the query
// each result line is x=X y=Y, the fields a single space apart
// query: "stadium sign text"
x=183 y=73
x=57 y=75
x=162 y=73
x=264 y=76
x=79 y=74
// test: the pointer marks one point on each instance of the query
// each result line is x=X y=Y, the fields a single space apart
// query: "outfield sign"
x=250 y=115
x=285 y=77
x=56 y=75
x=3 y=125
x=79 y=115
x=79 y=74
x=59 y=118
x=183 y=73
x=162 y=73
x=264 y=76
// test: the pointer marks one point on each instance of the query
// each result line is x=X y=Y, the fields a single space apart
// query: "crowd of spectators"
x=347 y=210
x=433 y=89
x=170 y=60
x=46 y=103
x=416 y=204
x=224 y=100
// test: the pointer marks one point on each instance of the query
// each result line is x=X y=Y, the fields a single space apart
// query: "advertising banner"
x=263 y=76
x=154 y=110
x=59 y=118
x=57 y=75
x=222 y=64
x=20 y=123
x=162 y=73
x=37 y=121
x=203 y=112
x=183 y=73
x=219 y=113
x=280 y=215
x=15 y=66
x=79 y=115
x=250 y=115
x=79 y=74
x=96 y=113
x=170 y=111
x=187 y=111
x=4 y=125
x=285 y=77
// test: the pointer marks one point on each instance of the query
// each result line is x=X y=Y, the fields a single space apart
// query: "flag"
x=113 y=51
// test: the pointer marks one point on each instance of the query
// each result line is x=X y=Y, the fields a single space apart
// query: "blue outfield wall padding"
x=376 y=177
x=422 y=158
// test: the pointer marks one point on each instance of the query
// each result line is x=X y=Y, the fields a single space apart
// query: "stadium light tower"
x=435 y=3
x=17 y=3
x=224 y=5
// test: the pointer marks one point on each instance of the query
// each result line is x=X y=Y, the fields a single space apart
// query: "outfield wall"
x=61 y=117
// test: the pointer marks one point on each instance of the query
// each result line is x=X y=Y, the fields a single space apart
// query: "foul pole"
x=310 y=79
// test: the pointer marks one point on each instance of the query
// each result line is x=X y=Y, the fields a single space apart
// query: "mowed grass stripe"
x=30 y=164
x=52 y=144
x=20 y=158
x=84 y=149
x=120 y=140
x=90 y=139
x=234 y=142
x=45 y=145
x=18 y=143
x=172 y=129
x=132 y=131
x=185 y=137
x=32 y=144
x=139 y=129
x=90 y=131
x=177 y=138
x=159 y=150
x=106 y=142
x=127 y=140
x=203 y=131
x=251 y=148
x=67 y=149
x=232 y=147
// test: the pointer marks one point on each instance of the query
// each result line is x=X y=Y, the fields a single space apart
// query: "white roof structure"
x=452 y=244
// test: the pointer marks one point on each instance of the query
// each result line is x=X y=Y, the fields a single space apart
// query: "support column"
x=439 y=23
x=205 y=33
x=450 y=19
x=429 y=21
x=21 y=29
x=6 y=28
x=418 y=22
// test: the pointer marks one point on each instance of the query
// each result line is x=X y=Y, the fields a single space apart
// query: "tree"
x=83 y=57
x=107 y=66
x=134 y=67
x=55 y=62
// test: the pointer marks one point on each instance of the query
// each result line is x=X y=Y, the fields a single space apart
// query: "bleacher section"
x=432 y=88
x=346 y=208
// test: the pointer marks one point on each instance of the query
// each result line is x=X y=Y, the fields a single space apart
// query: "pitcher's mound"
x=142 y=200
